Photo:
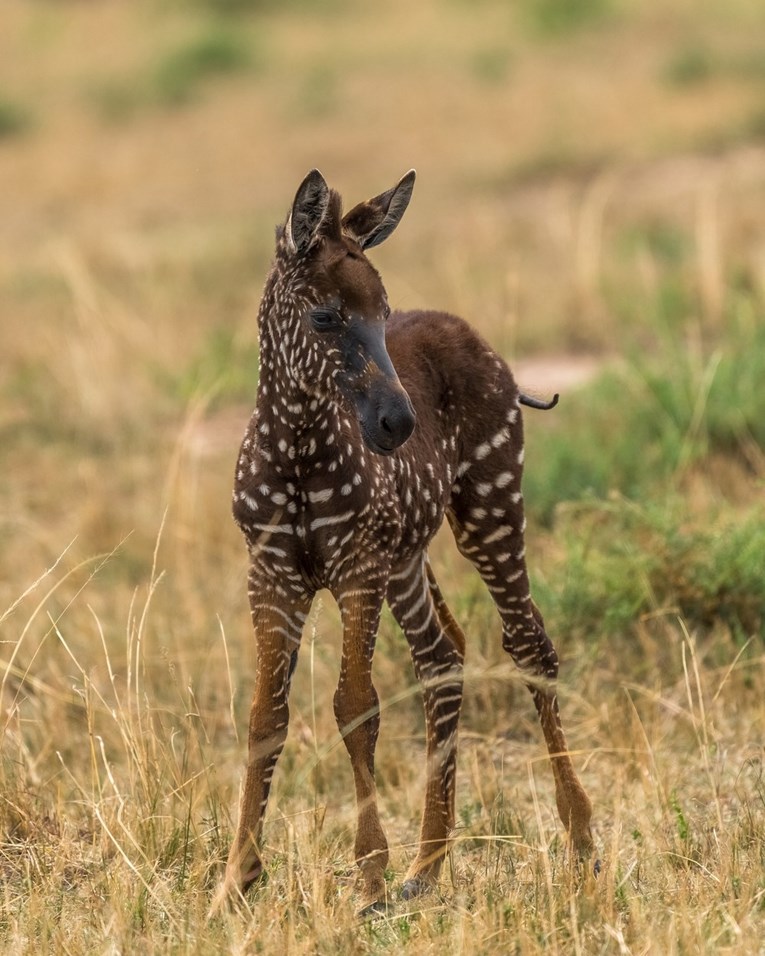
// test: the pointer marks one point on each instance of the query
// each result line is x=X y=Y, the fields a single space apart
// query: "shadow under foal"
x=369 y=428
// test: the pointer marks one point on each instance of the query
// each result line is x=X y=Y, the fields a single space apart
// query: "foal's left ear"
x=372 y=221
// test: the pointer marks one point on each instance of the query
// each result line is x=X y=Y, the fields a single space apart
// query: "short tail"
x=525 y=399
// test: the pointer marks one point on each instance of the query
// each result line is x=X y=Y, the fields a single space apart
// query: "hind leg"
x=488 y=523
x=437 y=646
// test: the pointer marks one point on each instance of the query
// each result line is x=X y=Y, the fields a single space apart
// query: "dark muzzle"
x=386 y=417
x=383 y=408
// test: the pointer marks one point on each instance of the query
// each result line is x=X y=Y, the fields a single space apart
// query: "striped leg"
x=358 y=719
x=437 y=645
x=278 y=626
x=490 y=534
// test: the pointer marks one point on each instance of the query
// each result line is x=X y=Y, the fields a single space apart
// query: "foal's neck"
x=299 y=434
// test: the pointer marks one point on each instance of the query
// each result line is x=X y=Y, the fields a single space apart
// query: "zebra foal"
x=370 y=427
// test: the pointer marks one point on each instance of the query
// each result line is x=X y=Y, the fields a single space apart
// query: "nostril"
x=393 y=422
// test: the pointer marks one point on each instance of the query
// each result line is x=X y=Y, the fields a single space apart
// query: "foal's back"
x=462 y=391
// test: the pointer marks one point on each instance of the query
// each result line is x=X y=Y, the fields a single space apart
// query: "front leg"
x=358 y=719
x=278 y=626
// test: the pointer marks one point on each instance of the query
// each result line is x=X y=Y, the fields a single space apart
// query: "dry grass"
x=120 y=768
x=569 y=201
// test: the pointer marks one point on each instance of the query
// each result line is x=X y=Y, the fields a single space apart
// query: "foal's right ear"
x=372 y=221
x=308 y=212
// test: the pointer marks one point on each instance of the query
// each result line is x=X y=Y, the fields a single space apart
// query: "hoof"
x=226 y=900
x=588 y=865
x=414 y=887
x=373 y=910
x=230 y=895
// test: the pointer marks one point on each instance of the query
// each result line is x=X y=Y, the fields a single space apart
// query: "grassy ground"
x=592 y=187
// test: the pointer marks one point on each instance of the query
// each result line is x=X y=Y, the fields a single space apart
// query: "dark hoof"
x=373 y=910
x=413 y=888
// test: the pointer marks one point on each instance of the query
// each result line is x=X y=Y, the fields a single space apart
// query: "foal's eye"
x=324 y=319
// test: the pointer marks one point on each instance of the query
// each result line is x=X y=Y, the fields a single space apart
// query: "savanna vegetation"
x=591 y=195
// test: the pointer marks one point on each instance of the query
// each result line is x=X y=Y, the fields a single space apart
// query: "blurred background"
x=590 y=173
x=590 y=195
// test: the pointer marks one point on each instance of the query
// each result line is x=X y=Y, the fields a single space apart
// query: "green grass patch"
x=752 y=127
x=182 y=72
x=665 y=242
x=749 y=65
x=178 y=77
x=696 y=64
x=223 y=369
x=690 y=66
x=556 y=160
x=491 y=65
x=254 y=7
x=639 y=426
x=237 y=7
x=14 y=119
x=559 y=18
x=627 y=564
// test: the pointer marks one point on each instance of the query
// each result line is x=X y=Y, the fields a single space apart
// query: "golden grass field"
x=591 y=195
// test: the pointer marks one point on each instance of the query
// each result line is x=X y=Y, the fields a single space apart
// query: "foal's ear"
x=308 y=212
x=372 y=221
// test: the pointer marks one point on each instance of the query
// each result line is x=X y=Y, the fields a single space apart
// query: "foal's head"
x=337 y=351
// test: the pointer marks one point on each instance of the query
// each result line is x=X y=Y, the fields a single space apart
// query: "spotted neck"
x=297 y=433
